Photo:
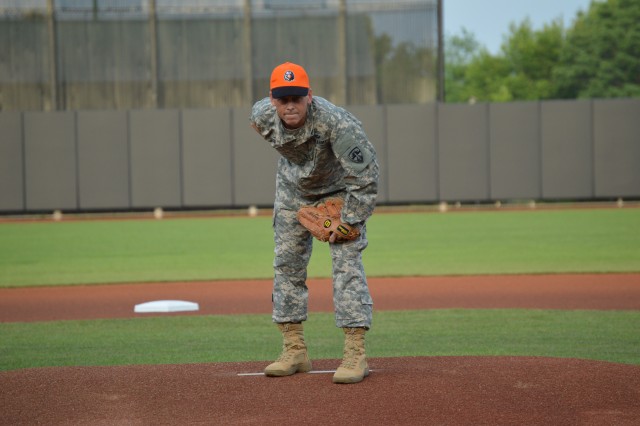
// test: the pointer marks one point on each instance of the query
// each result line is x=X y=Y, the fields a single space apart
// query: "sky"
x=489 y=20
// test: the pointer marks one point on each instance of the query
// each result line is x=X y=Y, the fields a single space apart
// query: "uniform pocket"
x=366 y=299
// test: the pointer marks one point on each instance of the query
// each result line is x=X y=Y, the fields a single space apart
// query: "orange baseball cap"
x=289 y=79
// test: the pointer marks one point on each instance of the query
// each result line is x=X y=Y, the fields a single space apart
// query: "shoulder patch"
x=356 y=155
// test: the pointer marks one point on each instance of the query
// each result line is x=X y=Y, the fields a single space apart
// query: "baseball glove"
x=323 y=221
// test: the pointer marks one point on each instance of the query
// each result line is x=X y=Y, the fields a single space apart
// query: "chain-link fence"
x=139 y=54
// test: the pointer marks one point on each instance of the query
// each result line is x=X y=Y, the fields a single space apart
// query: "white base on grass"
x=166 y=306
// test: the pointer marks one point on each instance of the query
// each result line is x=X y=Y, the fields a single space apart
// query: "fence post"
x=441 y=97
x=53 y=57
x=247 y=43
x=342 y=97
x=153 y=42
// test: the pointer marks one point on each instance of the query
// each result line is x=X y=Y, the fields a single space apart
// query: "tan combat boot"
x=354 y=366
x=293 y=358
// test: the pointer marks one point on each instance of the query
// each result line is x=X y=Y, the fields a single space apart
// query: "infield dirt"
x=399 y=391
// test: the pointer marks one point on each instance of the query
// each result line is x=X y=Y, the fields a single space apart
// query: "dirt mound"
x=438 y=390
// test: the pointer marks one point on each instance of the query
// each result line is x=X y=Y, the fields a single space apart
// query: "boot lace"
x=351 y=354
x=285 y=355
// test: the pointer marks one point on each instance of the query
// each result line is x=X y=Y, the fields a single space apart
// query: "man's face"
x=292 y=110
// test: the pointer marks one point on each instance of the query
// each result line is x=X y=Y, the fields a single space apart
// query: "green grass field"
x=603 y=335
x=418 y=244
x=36 y=254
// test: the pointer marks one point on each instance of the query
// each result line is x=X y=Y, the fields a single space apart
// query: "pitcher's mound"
x=420 y=390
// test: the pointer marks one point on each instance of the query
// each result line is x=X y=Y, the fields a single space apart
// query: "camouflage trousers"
x=293 y=246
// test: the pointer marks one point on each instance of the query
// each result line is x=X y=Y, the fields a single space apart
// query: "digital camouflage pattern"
x=330 y=155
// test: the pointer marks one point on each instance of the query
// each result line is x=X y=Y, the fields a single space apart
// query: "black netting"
x=121 y=54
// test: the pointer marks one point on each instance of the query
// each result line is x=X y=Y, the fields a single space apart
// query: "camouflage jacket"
x=329 y=154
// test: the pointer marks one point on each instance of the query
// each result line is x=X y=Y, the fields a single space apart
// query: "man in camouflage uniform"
x=324 y=153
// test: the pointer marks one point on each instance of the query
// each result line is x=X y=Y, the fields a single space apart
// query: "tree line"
x=597 y=56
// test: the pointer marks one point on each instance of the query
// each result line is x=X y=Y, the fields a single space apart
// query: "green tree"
x=405 y=73
x=602 y=53
x=523 y=69
x=460 y=51
x=415 y=65
x=531 y=57
x=382 y=52
x=598 y=56
x=485 y=79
